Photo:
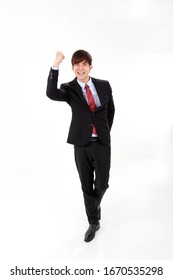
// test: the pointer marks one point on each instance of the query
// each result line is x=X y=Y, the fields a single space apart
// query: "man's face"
x=82 y=70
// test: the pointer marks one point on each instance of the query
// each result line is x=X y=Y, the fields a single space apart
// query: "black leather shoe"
x=90 y=234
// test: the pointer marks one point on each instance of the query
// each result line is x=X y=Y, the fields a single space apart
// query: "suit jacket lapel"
x=77 y=90
x=100 y=91
x=99 y=88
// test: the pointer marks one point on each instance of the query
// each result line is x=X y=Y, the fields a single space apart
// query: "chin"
x=81 y=78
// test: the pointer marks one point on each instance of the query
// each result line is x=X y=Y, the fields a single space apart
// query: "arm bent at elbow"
x=52 y=91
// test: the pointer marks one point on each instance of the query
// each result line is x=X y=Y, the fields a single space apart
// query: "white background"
x=131 y=42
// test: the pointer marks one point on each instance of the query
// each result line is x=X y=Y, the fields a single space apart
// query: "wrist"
x=55 y=67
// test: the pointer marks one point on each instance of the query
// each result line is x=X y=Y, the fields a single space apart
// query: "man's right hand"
x=58 y=59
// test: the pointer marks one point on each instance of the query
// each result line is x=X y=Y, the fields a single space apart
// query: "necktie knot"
x=86 y=87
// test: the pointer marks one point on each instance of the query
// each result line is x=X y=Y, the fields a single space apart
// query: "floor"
x=47 y=224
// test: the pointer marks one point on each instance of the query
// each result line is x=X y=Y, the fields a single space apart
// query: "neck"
x=85 y=81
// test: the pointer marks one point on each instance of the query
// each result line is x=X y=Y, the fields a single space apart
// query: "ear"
x=91 y=67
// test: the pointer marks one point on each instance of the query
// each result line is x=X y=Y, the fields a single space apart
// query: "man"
x=93 y=110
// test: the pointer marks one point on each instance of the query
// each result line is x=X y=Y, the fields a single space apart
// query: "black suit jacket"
x=82 y=117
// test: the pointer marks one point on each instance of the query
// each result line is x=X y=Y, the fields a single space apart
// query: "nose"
x=80 y=67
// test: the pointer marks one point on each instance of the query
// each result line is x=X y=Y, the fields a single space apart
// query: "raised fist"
x=58 y=59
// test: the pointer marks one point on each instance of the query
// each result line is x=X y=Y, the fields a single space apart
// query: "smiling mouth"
x=81 y=73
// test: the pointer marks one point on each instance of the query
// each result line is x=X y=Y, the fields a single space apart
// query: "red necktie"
x=91 y=102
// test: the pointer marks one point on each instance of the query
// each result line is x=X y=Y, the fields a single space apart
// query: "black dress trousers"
x=93 y=165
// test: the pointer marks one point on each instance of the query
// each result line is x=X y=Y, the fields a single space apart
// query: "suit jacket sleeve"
x=54 y=93
x=111 y=107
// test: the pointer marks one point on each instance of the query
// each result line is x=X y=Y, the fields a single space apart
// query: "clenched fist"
x=58 y=59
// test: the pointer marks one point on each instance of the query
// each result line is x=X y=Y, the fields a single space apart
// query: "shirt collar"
x=89 y=83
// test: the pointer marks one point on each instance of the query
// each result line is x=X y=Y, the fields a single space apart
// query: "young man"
x=93 y=109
